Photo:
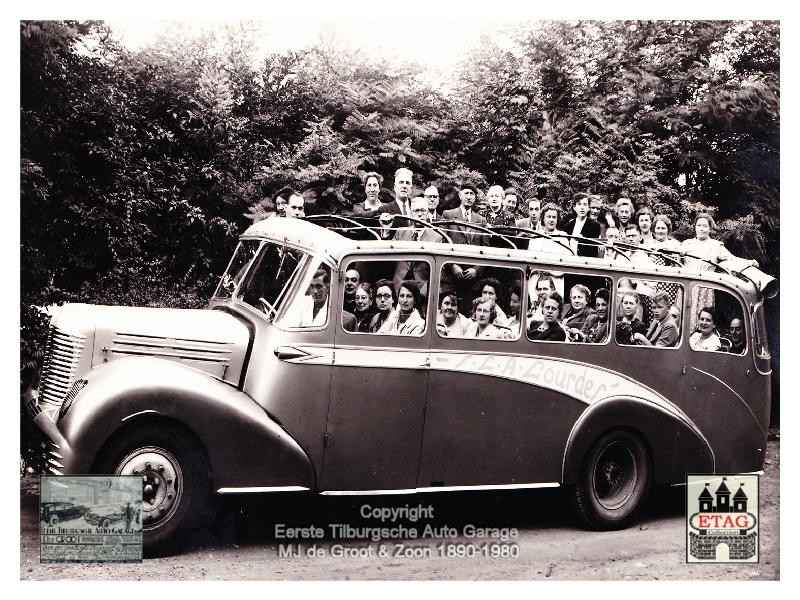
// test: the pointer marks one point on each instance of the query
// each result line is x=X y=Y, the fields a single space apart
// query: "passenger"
x=511 y=202
x=644 y=220
x=663 y=330
x=385 y=299
x=662 y=240
x=738 y=342
x=496 y=214
x=483 y=316
x=675 y=313
x=314 y=305
x=633 y=237
x=431 y=195
x=372 y=189
x=534 y=216
x=514 y=302
x=597 y=212
x=706 y=338
x=578 y=311
x=595 y=331
x=583 y=226
x=628 y=324
x=352 y=279
x=406 y=319
x=451 y=323
x=624 y=213
x=465 y=213
x=608 y=251
x=417 y=232
x=490 y=289
x=463 y=280
x=544 y=287
x=295 y=206
x=549 y=329
x=364 y=309
x=702 y=249
x=551 y=215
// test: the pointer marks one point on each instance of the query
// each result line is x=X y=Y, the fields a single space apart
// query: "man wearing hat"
x=466 y=235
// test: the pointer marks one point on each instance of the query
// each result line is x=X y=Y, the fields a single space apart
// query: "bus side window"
x=717 y=322
x=649 y=313
x=485 y=307
x=569 y=307
x=388 y=297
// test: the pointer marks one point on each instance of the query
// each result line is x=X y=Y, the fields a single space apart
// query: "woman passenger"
x=594 y=331
x=385 y=299
x=662 y=234
x=372 y=188
x=514 y=302
x=550 y=329
x=364 y=307
x=483 y=315
x=628 y=322
x=490 y=289
x=702 y=249
x=706 y=337
x=644 y=219
x=406 y=319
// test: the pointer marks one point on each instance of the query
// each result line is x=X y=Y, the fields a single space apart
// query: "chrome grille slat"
x=62 y=355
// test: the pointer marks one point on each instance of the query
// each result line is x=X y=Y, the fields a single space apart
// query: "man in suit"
x=463 y=278
x=418 y=233
x=466 y=235
x=532 y=222
x=402 y=191
x=432 y=196
x=663 y=331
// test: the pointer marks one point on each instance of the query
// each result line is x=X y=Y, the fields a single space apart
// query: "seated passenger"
x=385 y=299
x=451 y=323
x=706 y=338
x=663 y=330
x=406 y=319
x=313 y=309
x=578 y=311
x=483 y=315
x=417 y=232
x=594 y=331
x=551 y=214
x=514 y=302
x=490 y=289
x=549 y=329
x=365 y=309
x=544 y=287
x=628 y=324
x=738 y=342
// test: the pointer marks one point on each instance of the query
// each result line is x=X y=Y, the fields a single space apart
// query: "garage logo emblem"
x=722 y=518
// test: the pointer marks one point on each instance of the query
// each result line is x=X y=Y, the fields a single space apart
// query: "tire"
x=177 y=492
x=614 y=481
x=106 y=524
x=53 y=520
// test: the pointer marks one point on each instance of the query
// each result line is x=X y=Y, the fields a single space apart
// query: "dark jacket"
x=554 y=333
x=591 y=229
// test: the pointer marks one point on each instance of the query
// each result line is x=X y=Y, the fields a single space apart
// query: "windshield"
x=237 y=268
x=268 y=282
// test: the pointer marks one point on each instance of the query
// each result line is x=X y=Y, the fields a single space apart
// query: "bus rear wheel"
x=614 y=481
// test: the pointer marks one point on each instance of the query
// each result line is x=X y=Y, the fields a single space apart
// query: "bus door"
x=722 y=391
x=379 y=382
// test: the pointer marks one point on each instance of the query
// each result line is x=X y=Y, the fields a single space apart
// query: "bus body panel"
x=245 y=446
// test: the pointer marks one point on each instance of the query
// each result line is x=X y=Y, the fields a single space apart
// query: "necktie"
x=467 y=215
x=415 y=236
x=405 y=208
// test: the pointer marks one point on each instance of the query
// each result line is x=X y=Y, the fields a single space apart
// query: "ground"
x=551 y=544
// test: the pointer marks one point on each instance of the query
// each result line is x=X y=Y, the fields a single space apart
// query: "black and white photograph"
x=422 y=299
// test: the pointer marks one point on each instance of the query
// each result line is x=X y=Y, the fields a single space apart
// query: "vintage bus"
x=285 y=384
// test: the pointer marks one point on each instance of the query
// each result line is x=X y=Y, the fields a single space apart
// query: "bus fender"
x=677 y=447
x=246 y=448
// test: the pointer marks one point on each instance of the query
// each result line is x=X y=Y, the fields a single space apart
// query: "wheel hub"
x=162 y=485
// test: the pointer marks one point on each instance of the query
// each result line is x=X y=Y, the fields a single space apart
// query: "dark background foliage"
x=139 y=168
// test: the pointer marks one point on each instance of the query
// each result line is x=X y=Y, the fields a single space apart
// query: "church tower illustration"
x=723 y=498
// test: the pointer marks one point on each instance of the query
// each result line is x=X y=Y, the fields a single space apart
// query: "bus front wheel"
x=614 y=481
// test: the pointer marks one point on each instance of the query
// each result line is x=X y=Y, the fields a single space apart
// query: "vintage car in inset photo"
x=104 y=515
x=54 y=513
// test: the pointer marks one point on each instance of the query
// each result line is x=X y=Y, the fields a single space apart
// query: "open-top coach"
x=281 y=386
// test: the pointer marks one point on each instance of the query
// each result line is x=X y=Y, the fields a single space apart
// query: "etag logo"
x=722 y=521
